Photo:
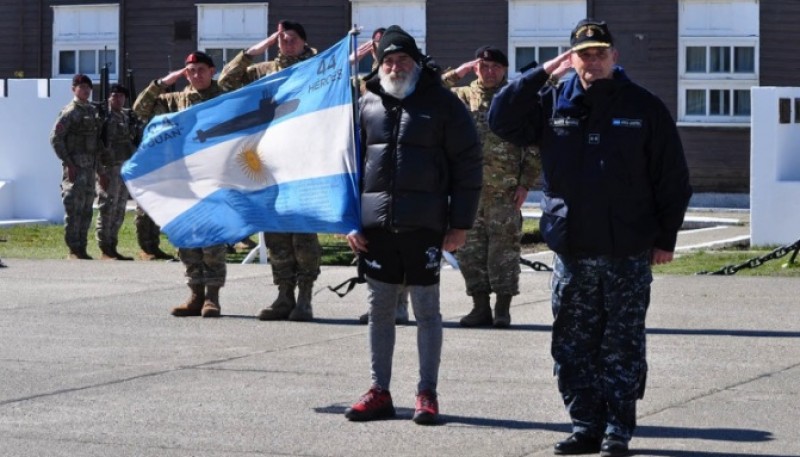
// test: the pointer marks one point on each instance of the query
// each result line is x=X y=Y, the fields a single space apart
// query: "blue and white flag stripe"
x=277 y=155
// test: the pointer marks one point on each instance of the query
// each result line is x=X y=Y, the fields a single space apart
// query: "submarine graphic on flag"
x=267 y=111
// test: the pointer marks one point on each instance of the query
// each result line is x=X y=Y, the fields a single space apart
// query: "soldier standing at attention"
x=75 y=139
x=489 y=260
x=117 y=139
x=294 y=257
x=148 y=235
x=205 y=267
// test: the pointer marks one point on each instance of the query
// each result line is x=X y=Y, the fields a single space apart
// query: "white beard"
x=399 y=85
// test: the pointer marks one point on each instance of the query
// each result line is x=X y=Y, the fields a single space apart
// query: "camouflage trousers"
x=111 y=201
x=204 y=266
x=294 y=257
x=489 y=260
x=77 y=193
x=599 y=306
x=148 y=234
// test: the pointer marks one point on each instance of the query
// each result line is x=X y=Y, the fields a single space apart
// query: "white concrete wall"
x=27 y=161
x=774 y=168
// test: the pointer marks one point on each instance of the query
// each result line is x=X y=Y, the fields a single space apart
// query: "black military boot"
x=79 y=253
x=502 y=317
x=481 y=313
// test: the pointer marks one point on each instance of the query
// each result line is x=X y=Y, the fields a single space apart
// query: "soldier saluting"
x=205 y=267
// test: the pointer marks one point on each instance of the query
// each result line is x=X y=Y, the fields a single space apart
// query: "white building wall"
x=30 y=172
x=774 y=167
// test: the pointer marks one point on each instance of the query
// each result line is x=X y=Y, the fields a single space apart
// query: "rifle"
x=102 y=104
x=134 y=123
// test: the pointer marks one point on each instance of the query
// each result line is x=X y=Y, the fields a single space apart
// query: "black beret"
x=395 y=39
x=199 y=57
x=79 y=79
x=296 y=26
x=491 y=54
x=590 y=33
x=119 y=89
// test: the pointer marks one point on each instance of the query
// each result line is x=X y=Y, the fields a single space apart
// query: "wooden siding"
x=719 y=158
x=778 y=36
x=457 y=28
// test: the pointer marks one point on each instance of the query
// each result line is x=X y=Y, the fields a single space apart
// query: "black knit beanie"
x=395 y=39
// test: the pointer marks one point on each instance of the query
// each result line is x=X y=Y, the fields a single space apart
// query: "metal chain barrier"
x=758 y=261
x=536 y=265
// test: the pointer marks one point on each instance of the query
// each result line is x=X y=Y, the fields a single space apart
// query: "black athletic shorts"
x=409 y=257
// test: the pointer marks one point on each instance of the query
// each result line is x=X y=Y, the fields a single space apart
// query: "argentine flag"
x=277 y=155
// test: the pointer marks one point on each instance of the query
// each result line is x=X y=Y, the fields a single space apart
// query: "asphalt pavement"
x=92 y=364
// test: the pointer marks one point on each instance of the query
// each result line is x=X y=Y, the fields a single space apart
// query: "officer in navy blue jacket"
x=616 y=187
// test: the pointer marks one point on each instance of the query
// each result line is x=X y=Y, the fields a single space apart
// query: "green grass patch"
x=47 y=242
x=695 y=262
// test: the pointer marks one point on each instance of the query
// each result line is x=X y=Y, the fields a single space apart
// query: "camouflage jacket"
x=76 y=135
x=118 y=138
x=154 y=101
x=241 y=71
x=505 y=166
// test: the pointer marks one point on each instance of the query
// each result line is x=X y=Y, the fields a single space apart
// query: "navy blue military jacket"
x=615 y=176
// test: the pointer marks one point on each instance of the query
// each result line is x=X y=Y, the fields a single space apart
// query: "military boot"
x=193 y=305
x=481 y=313
x=282 y=306
x=146 y=255
x=302 y=310
x=110 y=253
x=161 y=255
x=211 y=306
x=79 y=253
x=502 y=317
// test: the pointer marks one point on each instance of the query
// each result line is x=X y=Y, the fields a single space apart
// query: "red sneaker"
x=373 y=405
x=426 y=412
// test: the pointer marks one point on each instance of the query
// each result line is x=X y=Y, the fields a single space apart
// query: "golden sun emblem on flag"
x=251 y=164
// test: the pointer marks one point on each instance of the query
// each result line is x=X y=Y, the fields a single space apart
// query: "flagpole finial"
x=356 y=29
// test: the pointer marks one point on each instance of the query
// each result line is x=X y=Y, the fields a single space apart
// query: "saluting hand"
x=467 y=67
x=173 y=77
x=559 y=65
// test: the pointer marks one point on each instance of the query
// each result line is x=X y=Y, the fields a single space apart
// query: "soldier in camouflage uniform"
x=148 y=235
x=117 y=137
x=615 y=190
x=489 y=261
x=76 y=141
x=205 y=267
x=294 y=257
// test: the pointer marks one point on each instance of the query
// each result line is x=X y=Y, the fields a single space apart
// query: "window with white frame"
x=225 y=29
x=373 y=14
x=85 y=39
x=539 y=30
x=718 y=60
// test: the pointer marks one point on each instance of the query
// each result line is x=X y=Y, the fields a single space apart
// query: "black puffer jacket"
x=422 y=160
